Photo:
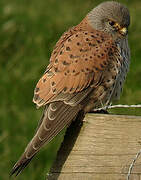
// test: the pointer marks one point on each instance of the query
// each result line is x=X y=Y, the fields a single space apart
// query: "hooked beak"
x=123 y=31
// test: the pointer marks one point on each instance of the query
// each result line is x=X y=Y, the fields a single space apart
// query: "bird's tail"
x=20 y=165
x=56 y=116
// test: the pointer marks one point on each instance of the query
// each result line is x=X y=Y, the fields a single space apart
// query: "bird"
x=87 y=70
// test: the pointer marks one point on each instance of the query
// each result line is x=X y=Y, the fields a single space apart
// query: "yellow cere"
x=123 y=31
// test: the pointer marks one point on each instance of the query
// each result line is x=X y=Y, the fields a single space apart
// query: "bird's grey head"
x=111 y=17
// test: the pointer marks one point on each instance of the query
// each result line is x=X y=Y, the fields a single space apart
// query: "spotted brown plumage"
x=87 y=69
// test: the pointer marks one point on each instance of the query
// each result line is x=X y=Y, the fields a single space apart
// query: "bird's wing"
x=77 y=65
x=76 y=68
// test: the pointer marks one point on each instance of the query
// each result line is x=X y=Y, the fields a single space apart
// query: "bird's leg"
x=102 y=110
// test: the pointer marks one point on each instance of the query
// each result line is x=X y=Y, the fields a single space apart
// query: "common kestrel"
x=87 y=69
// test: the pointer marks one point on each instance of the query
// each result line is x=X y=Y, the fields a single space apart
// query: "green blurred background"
x=28 y=32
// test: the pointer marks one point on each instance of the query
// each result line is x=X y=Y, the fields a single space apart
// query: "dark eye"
x=112 y=23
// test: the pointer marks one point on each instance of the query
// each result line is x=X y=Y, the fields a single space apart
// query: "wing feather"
x=75 y=68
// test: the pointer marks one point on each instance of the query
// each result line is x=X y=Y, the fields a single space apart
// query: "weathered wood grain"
x=100 y=149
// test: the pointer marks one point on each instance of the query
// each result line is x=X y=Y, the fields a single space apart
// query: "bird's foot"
x=102 y=111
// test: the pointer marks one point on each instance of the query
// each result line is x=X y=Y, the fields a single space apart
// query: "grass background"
x=28 y=32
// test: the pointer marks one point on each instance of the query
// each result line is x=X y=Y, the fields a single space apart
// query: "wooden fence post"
x=101 y=149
